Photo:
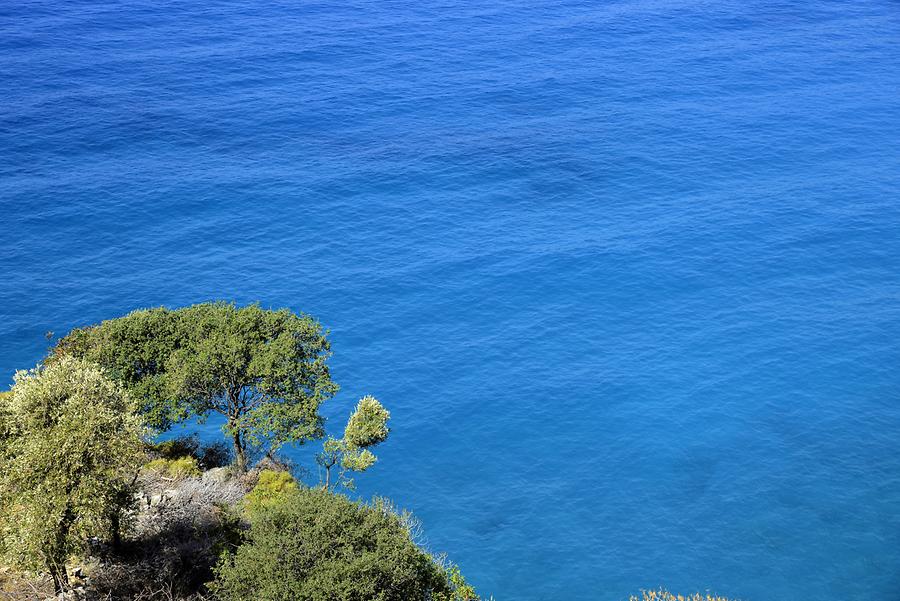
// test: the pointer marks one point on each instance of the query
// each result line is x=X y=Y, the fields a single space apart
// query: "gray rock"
x=219 y=475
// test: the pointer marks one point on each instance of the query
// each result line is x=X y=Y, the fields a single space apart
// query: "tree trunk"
x=240 y=454
x=57 y=583
x=116 y=527
x=59 y=575
x=55 y=554
x=327 y=476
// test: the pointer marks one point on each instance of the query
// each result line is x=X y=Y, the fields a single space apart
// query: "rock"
x=219 y=475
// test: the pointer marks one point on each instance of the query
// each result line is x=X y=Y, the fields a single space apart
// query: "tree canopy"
x=134 y=350
x=69 y=444
x=264 y=370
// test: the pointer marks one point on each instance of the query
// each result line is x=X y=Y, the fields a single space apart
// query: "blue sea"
x=625 y=272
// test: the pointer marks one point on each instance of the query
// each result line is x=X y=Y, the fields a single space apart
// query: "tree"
x=69 y=448
x=366 y=428
x=264 y=371
x=318 y=546
x=134 y=350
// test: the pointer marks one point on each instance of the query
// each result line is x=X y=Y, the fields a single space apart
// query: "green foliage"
x=176 y=469
x=7 y=425
x=460 y=590
x=366 y=427
x=134 y=350
x=317 y=546
x=269 y=490
x=71 y=444
x=265 y=371
x=358 y=460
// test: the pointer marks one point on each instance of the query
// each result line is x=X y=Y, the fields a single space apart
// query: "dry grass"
x=174 y=544
x=17 y=587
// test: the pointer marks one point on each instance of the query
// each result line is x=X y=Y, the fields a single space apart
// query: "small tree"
x=366 y=428
x=70 y=445
x=264 y=371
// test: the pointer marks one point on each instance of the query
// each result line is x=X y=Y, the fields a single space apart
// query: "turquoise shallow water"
x=626 y=273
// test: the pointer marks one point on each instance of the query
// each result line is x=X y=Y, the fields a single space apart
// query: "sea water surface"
x=626 y=272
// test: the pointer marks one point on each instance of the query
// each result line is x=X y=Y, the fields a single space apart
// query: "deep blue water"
x=626 y=273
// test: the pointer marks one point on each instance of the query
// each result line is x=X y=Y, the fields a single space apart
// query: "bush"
x=317 y=546
x=176 y=469
x=270 y=489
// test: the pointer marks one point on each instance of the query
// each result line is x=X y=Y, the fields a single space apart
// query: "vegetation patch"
x=174 y=469
x=316 y=545
x=270 y=489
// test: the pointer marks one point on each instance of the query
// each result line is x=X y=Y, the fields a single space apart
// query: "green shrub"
x=270 y=489
x=318 y=546
x=177 y=469
x=460 y=590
